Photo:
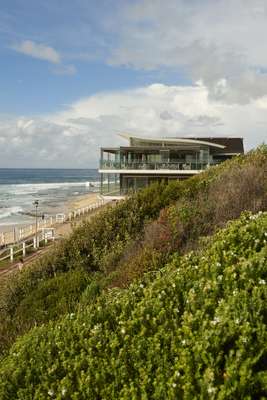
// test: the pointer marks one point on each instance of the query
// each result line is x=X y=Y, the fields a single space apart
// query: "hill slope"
x=122 y=243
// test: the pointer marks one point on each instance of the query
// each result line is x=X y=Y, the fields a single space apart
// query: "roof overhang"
x=172 y=140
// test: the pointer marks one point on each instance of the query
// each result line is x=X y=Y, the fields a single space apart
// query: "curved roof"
x=172 y=140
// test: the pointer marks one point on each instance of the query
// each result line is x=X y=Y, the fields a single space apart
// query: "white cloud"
x=46 y=53
x=38 y=50
x=73 y=138
x=215 y=41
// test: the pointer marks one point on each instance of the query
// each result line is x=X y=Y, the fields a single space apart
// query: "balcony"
x=175 y=166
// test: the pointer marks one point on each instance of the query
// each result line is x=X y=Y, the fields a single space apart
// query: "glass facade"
x=126 y=169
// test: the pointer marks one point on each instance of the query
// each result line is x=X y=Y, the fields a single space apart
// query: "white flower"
x=177 y=373
x=174 y=385
x=123 y=331
x=96 y=328
x=141 y=286
x=50 y=392
x=215 y=321
x=211 y=390
x=63 y=391
x=262 y=282
x=173 y=285
x=183 y=342
x=220 y=277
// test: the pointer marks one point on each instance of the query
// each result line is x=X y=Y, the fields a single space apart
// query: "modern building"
x=145 y=160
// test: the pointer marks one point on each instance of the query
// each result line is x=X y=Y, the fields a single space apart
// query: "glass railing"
x=109 y=165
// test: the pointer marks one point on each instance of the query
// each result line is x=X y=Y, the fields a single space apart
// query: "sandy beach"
x=70 y=205
x=82 y=201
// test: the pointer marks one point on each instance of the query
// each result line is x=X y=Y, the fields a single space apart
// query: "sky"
x=75 y=73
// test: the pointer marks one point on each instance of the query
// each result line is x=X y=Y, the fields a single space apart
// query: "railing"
x=22 y=248
x=107 y=164
x=16 y=235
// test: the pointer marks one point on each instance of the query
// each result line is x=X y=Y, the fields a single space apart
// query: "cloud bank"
x=72 y=138
x=221 y=43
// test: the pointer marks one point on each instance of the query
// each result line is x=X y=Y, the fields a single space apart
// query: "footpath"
x=61 y=230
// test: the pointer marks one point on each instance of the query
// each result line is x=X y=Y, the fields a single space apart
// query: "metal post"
x=24 y=249
x=11 y=254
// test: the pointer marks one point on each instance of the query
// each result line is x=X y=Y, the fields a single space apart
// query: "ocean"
x=19 y=188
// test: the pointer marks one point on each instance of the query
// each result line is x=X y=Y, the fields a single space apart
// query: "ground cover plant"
x=123 y=242
x=196 y=328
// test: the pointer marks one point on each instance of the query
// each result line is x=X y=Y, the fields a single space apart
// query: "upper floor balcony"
x=108 y=165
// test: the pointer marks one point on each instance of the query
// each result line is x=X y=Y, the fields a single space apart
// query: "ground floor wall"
x=123 y=184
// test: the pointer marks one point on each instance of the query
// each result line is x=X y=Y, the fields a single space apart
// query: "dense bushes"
x=194 y=329
x=205 y=203
x=94 y=246
x=125 y=240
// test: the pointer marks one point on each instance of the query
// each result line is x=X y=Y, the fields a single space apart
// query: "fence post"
x=23 y=249
x=11 y=254
x=3 y=239
x=34 y=243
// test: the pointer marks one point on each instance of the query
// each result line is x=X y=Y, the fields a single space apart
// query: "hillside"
x=147 y=237
x=194 y=329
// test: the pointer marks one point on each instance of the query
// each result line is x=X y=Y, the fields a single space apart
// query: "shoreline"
x=65 y=207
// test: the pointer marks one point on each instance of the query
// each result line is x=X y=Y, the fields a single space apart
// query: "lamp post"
x=36 y=204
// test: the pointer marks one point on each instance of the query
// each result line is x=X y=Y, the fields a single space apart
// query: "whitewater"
x=51 y=187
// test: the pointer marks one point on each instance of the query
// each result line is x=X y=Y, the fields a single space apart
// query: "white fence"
x=22 y=248
x=18 y=234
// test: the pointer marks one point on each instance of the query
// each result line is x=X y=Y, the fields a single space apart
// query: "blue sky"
x=75 y=73
x=80 y=32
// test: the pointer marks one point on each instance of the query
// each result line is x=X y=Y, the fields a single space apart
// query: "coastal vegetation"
x=143 y=302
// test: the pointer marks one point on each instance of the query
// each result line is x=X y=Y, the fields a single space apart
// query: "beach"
x=62 y=229
x=56 y=190
x=82 y=201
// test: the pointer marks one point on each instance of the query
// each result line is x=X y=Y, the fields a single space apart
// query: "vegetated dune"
x=124 y=242
x=194 y=329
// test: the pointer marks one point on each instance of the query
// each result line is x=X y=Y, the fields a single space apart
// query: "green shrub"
x=194 y=329
x=140 y=234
